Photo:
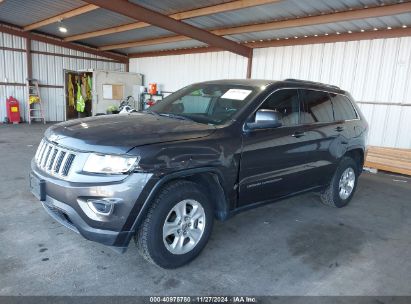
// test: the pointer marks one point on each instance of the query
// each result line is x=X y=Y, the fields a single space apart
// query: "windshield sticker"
x=236 y=94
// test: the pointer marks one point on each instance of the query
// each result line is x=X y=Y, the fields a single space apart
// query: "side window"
x=317 y=107
x=343 y=108
x=287 y=103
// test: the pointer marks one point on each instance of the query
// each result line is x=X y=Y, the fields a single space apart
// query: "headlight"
x=110 y=164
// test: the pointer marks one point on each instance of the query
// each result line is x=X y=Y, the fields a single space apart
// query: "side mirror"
x=265 y=118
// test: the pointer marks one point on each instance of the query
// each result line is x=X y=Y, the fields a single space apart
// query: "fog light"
x=101 y=206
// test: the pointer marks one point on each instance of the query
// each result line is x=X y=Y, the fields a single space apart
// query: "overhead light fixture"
x=362 y=31
x=315 y=35
x=326 y=34
x=375 y=29
x=349 y=32
x=389 y=27
x=338 y=33
x=62 y=28
x=404 y=26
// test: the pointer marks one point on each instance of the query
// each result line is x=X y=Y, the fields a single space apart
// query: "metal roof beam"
x=277 y=25
x=204 y=11
x=60 y=17
x=46 y=39
x=372 y=12
x=380 y=34
x=143 y=14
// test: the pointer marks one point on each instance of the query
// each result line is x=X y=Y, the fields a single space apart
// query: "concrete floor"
x=293 y=247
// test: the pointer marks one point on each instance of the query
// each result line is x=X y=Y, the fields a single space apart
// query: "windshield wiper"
x=152 y=112
x=176 y=116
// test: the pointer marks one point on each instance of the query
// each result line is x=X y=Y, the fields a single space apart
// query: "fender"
x=221 y=215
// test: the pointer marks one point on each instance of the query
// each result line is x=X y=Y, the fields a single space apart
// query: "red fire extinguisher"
x=152 y=88
x=13 y=110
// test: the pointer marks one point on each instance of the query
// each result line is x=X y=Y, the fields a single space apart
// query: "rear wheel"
x=177 y=226
x=343 y=184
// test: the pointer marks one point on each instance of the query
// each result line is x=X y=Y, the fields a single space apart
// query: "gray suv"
x=207 y=151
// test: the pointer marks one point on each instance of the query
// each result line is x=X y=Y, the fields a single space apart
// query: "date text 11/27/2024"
x=204 y=299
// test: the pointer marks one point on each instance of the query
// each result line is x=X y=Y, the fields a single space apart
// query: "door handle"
x=298 y=134
x=339 y=129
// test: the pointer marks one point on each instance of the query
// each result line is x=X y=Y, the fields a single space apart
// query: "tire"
x=331 y=196
x=151 y=239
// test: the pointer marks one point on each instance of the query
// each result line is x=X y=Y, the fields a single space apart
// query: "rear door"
x=320 y=127
x=345 y=116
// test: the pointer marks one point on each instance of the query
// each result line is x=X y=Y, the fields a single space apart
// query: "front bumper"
x=65 y=202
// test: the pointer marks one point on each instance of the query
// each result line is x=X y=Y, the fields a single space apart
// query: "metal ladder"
x=34 y=112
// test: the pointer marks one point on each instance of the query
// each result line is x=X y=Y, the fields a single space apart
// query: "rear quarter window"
x=343 y=108
x=317 y=107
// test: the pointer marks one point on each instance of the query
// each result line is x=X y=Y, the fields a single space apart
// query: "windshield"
x=213 y=104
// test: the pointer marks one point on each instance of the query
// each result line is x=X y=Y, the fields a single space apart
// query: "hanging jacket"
x=70 y=89
x=84 y=86
x=80 y=100
x=89 y=86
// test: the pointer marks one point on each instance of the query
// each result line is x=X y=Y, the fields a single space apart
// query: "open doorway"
x=78 y=92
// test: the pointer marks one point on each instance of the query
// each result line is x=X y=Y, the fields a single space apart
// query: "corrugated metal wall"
x=12 y=69
x=48 y=69
x=376 y=71
x=174 y=72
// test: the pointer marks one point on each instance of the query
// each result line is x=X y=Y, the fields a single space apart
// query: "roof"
x=289 y=82
x=243 y=82
x=311 y=84
x=146 y=37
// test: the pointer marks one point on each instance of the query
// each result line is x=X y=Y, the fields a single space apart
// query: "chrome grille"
x=53 y=159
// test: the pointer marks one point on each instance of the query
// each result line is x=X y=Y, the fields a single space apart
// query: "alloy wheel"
x=346 y=184
x=184 y=226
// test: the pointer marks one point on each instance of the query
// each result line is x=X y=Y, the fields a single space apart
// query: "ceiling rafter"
x=372 y=12
x=198 y=50
x=203 y=11
x=161 y=40
x=143 y=14
x=47 y=39
x=381 y=34
x=69 y=14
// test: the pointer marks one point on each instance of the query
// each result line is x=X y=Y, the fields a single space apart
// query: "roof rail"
x=312 y=82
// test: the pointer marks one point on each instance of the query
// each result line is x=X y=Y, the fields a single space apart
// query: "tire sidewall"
x=158 y=251
x=345 y=163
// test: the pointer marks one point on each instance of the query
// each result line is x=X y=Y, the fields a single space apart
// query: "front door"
x=273 y=161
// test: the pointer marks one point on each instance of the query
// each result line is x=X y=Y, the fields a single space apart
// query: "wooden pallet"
x=389 y=159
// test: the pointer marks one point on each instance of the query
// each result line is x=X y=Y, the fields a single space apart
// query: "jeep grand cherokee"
x=207 y=151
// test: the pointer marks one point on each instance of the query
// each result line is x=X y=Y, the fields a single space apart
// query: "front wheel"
x=343 y=184
x=177 y=226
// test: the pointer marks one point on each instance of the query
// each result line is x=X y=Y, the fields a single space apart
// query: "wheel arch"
x=358 y=155
x=211 y=183
x=210 y=179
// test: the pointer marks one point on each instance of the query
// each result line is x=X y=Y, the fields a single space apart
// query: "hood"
x=121 y=132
